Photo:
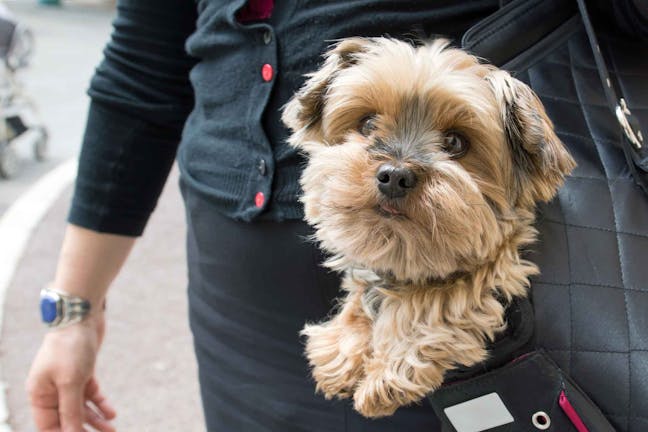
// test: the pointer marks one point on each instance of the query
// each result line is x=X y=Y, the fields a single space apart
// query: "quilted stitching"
x=591 y=299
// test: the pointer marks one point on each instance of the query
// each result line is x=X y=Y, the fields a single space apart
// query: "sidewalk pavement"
x=69 y=41
x=146 y=366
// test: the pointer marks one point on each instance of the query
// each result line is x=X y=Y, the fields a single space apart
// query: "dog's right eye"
x=367 y=124
x=455 y=144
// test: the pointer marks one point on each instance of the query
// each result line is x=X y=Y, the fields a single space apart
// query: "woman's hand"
x=63 y=391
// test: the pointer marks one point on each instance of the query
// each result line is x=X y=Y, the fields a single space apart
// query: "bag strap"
x=634 y=146
x=517 y=340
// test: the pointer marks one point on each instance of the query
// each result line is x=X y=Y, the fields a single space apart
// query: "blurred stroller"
x=18 y=117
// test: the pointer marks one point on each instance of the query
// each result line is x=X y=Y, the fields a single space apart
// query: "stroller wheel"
x=40 y=145
x=8 y=161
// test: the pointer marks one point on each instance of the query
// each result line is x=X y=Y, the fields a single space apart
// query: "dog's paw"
x=336 y=358
x=377 y=398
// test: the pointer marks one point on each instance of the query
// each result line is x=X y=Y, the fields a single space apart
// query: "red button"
x=259 y=199
x=266 y=72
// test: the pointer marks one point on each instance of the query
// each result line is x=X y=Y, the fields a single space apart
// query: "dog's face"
x=420 y=159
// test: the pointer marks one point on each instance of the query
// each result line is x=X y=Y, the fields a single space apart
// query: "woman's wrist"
x=87 y=291
x=72 y=307
x=92 y=324
x=88 y=263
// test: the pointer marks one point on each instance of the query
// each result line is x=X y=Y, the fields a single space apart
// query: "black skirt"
x=252 y=286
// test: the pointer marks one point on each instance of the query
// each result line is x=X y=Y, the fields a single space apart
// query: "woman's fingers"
x=94 y=395
x=44 y=403
x=66 y=408
x=97 y=421
x=71 y=407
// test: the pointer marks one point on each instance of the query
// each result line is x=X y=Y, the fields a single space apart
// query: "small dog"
x=424 y=169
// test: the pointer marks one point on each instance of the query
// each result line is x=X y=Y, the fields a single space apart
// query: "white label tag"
x=479 y=414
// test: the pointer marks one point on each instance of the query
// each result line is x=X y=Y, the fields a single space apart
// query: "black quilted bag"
x=576 y=357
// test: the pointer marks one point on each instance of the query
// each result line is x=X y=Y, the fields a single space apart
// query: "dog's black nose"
x=395 y=182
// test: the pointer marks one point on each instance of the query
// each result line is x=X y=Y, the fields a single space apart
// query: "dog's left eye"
x=455 y=144
x=367 y=124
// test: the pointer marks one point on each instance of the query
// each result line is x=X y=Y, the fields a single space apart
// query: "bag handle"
x=634 y=146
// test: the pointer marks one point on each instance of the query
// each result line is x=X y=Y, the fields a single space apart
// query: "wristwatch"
x=59 y=309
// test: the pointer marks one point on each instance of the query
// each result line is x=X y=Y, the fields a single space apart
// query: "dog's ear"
x=539 y=157
x=303 y=112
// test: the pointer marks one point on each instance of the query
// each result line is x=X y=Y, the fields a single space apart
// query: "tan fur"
x=424 y=289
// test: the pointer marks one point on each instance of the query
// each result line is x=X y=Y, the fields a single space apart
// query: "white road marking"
x=16 y=227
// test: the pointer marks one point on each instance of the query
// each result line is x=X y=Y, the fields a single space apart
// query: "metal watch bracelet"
x=59 y=309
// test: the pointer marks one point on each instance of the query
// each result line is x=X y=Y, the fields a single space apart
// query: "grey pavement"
x=68 y=46
x=146 y=366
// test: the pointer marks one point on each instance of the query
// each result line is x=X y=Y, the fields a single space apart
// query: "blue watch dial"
x=49 y=308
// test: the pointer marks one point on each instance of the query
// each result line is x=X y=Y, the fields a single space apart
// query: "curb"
x=16 y=227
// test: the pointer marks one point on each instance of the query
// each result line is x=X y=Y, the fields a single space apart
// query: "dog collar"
x=389 y=282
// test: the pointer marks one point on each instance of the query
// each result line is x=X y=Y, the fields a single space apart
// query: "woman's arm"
x=88 y=263
x=141 y=96
x=62 y=375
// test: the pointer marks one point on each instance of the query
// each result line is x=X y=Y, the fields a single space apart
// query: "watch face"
x=49 y=306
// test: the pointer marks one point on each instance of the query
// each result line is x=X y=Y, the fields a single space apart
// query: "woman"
x=213 y=77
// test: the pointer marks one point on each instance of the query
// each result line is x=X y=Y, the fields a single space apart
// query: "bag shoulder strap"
x=633 y=144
